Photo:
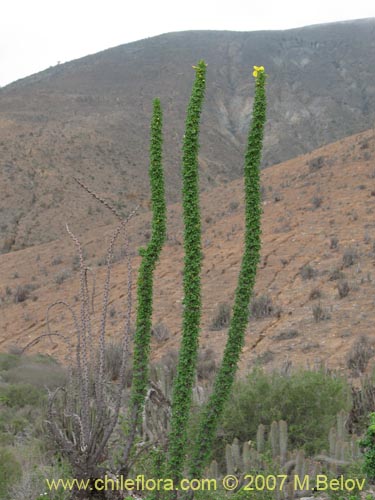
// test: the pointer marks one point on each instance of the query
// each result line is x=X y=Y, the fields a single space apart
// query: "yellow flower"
x=257 y=69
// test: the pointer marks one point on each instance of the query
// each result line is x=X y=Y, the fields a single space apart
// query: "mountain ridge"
x=90 y=117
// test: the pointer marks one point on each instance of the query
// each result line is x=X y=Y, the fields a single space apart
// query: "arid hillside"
x=315 y=291
x=90 y=117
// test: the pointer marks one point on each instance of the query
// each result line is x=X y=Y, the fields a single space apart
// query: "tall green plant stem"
x=186 y=369
x=150 y=256
x=246 y=280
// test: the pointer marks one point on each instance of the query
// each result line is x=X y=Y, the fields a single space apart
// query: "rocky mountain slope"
x=315 y=286
x=90 y=117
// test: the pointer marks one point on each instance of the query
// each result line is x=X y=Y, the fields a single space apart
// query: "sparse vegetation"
x=160 y=332
x=315 y=293
x=343 y=288
x=336 y=274
x=317 y=202
x=320 y=313
x=263 y=307
x=359 y=355
x=316 y=163
x=206 y=364
x=350 y=257
x=287 y=334
x=334 y=243
x=273 y=396
x=21 y=294
x=308 y=272
x=62 y=276
x=233 y=205
x=222 y=317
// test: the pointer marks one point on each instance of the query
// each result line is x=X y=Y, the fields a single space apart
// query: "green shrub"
x=368 y=443
x=37 y=375
x=302 y=399
x=20 y=395
x=10 y=471
x=8 y=361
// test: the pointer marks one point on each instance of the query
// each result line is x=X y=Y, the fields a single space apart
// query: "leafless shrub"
x=277 y=197
x=359 y=355
x=320 y=313
x=170 y=360
x=315 y=293
x=113 y=363
x=350 y=257
x=62 y=276
x=222 y=317
x=82 y=416
x=286 y=335
x=56 y=260
x=343 y=288
x=263 y=307
x=336 y=274
x=317 y=201
x=367 y=155
x=233 y=205
x=206 y=367
x=265 y=357
x=363 y=403
x=160 y=331
x=307 y=272
x=316 y=163
x=334 y=243
x=21 y=294
x=15 y=349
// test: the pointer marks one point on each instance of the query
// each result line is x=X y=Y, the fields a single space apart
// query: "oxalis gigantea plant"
x=177 y=460
x=209 y=420
x=192 y=302
x=150 y=256
x=176 y=457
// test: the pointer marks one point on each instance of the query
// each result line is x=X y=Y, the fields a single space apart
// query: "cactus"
x=274 y=440
x=283 y=439
x=260 y=438
x=247 y=456
x=229 y=460
x=237 y=455
x=300 y=468
x=213 y=471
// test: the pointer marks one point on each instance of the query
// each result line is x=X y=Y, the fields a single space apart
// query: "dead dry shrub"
x=160 y=332
x=206 y=367
x=222 y=317
x=320 y=313
x=359 y=355
x=308 y=272
x=263 y=307
x=350 y=257
x=343 y=288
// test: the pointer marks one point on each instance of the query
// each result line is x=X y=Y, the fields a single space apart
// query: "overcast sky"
x=36 y=34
